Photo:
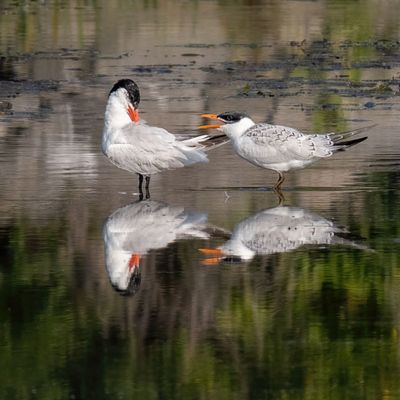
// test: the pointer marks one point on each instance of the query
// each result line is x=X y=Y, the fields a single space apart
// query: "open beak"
x=210 y=116
x=214 y=256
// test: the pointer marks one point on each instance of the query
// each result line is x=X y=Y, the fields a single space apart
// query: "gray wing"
x=283 y=229
x=283 y=143
x=147 y=149
x=152 y=224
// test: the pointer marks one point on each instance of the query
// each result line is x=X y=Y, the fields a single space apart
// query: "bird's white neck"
x=116 y=115
x=235 y=130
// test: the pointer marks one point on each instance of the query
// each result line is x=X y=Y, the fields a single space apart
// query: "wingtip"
x=349 y=143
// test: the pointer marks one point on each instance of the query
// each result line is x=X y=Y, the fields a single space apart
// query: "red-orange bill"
x=213 y=252
x=133 y=114
x=208 y=126
x=213 y=256
x=134 y=261
x=210 y=116
x=210 y=261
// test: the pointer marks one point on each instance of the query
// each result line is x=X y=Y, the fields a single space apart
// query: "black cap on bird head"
x=232 y=116
x=132 y=89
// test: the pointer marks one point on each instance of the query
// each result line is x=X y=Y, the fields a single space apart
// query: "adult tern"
x=133 y=145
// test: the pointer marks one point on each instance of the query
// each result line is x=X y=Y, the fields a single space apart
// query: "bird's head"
x=227 y=254
x=124 y=99
x=124 y=272
x=233 y=122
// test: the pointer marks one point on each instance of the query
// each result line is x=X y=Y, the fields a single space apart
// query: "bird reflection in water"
x=130 y=232
x=276 y=230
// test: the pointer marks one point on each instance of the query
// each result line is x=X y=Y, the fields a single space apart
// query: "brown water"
x=302 y=318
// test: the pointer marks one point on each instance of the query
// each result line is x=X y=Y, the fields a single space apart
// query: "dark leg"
x=147 y=187
x=140 y=186
x=140 y=182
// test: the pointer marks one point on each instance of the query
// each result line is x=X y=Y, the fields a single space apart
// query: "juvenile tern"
x=278 y=147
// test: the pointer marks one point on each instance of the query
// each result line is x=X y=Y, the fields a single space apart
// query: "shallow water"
x=310 y=310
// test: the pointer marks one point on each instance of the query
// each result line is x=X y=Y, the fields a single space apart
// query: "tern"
x=278 y=147
x=133 y=145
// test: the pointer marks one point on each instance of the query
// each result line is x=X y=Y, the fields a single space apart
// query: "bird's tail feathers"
x=340 y=136
x=195 y=141
x=206 y=142
x=341 y=146
x=194 y=225
x=338 y=240
x=191 y=155
x=341 y=142
x=214 y=141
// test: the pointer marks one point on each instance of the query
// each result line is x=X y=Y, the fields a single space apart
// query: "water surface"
x=312 y=316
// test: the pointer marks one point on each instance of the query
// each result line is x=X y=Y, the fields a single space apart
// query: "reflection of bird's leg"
x=147 y=187
x=140 y=186
x=281 y=197
x=277 y=188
